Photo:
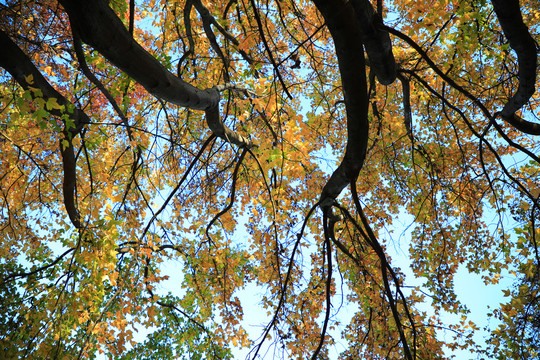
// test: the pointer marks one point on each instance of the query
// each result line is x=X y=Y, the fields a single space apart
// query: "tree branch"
x=376 y=41
x=97 y=25
x=79 y=52
x=520 y=124
x=346 y=32
x=509 y=15
x=232 y=192
x=15 y=61
x=270 y=56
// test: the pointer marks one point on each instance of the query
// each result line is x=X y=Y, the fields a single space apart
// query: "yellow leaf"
x=29 y=79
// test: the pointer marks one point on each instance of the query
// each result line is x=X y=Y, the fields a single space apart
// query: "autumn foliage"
x=267 y=154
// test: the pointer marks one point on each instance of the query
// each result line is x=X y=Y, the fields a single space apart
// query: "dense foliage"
x=261 y=150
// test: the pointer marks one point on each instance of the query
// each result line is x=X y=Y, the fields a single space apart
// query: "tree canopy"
x=271 y=146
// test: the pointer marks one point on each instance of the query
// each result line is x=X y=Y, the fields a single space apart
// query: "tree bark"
x=509 y=15
x=376 y=42
x=346 y=33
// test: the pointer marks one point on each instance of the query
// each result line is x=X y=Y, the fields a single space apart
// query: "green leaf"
x=52 y=104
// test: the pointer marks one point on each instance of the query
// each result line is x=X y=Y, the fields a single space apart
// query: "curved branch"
x=509 y=15
x=462 y=90
x=345 y=30
x=481 y=136
x=19 y=65
x=44 y=267
x=371 y=238
x=233 y=192
x=79 y=52
x=270 y=56
x=187 y=25
x=177 y=187
x=215 y=123
x=207 y=20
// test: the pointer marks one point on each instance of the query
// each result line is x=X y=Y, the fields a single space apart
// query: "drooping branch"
x=386 y=270
x=509 y=15
x=15 y=61
x=14 y=276
x=481 y=136
x=328 y=227
x=208 y=20
x=531 y=128
x=233 y=197
x=407 y=113
x=177 y=187
x=376 y=41
x=98 y=26
x=346 y=32
x=187 y=26
x=283 y=292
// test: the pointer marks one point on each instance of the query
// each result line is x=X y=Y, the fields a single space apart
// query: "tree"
x=136 y=135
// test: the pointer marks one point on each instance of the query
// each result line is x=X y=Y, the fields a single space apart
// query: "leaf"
x=52 y=104
x=29 y=79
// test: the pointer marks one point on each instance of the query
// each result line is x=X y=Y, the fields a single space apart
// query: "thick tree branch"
x=15 y=61
x=328 y=227
x=69 y=162
x=407 y=113
x=97 y=25
x=346 y=32
x=376 y=41
x=509 y=15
